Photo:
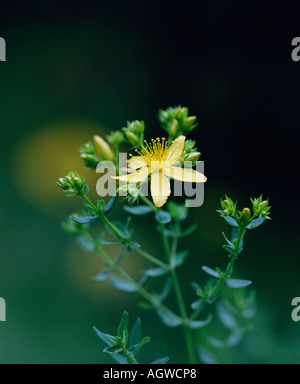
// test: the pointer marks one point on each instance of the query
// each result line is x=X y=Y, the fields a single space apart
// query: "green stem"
x=125 y=240
x=170 y=254
x=139 y=289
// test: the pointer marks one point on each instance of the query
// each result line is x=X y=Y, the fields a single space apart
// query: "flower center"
x=154 y=152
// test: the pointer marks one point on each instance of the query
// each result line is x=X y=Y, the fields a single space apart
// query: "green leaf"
x=235 y=338
x=113 y=349
x=236 y=283
x=163 y=360
x=198 y=305
x=87 y=243
x=179 y=259
x=211 y=272
x=168 y=319
x=163 y=217
x=108 y=340
x=122 y=285
x=227 y=241
x=165 y=290
x=102 y=276
x=136 y=332
x=206 y=356
x=123 y=326
x=84 y=220
x=110 y=205
x=199 y=291
x=200 y=323
x=155 y=272
x=133 y=246
x=140 y=210
x=121 y=227
x=256 y=223
x=231 y=221
x=226 y=317
x=109 y=242
x=101 y=205
x=135 y=348
x=85 y=189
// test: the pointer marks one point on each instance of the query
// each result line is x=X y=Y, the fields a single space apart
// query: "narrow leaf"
x=112 y=202
x=256 y=223
x=140 y=210
x=136 y=332
x=200 y=323
x=163 y=217
x=156 y=272
x=211 y=272
x=84 y=220
x=231 y=221
x=113 y=349
x=102 y=277
x=236 y=283
x=86 y=242
x=132 y=247
x=123 y=326
x=168 y=319
x=123 y=285
x=163 y=360
x=179 y=259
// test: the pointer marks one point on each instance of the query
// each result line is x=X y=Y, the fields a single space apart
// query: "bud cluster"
x=176 y=121
x=73 y=184
x=190 y=152
x=261 y=207
x=134 y=133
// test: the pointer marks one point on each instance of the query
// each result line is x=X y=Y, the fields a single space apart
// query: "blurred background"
x=73 y=71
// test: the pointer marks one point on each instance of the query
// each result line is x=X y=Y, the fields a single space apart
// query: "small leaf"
x=102 y=277
x=211 y=272
x=121 y=227
x=123 y=326
x=85 y=189
x=156 y=272
x=84 y=220
x=198 y=289
x=256 y=223
x=236 y=283
x=215 y=342
x=163 y=217
x=109 y=242
x=168 y=319
x=188 y=231
x=226 y=317
x=206 y=356
x=86 y=242
x=108 y=340
x=137 y=347
x=179 y=259
x=101 y=205
x=163 y=360
x=231 y=221
x=227 y=241
x=235 y=338
x=136 y=332
x=123 y=285
x=109 y=206
x=200 y=323
x=113 y=349
x=198 y=305
x=140 y=210
x=132 y=247
x=165 y=290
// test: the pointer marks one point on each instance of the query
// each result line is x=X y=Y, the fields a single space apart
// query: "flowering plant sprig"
x=158 y=162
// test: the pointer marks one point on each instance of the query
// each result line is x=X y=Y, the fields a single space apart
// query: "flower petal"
x=185 y=174
x=136 y=162
x=160 y=188
x=136 y=177
x=175 y=150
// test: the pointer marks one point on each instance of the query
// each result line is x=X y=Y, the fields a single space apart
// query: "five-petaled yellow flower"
x=159 y=161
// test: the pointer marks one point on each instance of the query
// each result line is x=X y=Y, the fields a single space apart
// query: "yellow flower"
x=159 y=161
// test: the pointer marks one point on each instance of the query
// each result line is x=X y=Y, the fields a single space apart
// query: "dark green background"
x=74 y=70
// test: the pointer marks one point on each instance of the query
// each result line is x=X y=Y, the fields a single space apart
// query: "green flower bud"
x=116 y=138
x=73 y=184
x=103 y=150
x=132 y=138
x=189 y=121
x=263 y=205
x=245 y=217
x=174 y=128
x=193 y=156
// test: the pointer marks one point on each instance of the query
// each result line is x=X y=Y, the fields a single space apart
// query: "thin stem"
x=151 y=258
x=139 y=289
x=170 y=254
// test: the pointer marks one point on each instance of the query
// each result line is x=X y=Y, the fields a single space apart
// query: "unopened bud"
x=245 y=217
x=189 y=121
x=263 y=205
x=102 y=149
x=132 y=138
x=174 y=128
x=194 y=156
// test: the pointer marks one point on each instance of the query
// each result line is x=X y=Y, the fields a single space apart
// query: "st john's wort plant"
x=153 y=164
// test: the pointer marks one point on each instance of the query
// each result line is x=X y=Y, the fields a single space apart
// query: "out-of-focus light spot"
x=46 y=154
